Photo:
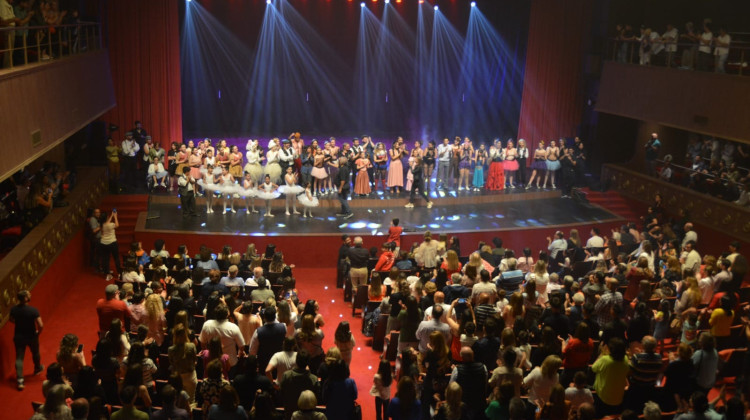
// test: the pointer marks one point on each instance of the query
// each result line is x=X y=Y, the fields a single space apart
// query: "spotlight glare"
x=436 y=7
x=387 y=1
x=268 y=1
x=362 y=4
x=473 y=4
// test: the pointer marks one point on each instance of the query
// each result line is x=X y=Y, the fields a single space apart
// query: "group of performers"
x=302 y=173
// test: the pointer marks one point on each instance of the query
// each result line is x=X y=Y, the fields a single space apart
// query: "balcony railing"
x=22 y=45
x=685 y=56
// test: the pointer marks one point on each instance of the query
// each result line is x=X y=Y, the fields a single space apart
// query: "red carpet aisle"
x=76 y=314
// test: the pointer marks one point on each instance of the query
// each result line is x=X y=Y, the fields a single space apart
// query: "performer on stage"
x=267 y=191
x=381 y=166
x=416 y=152
x=222 y=154
x=209 y=182
x=396 y=169
x=523 y=154
x=228 y=189
x=290 y=190
x=308 y=201
x=539 y=164
x=318 y=172
x=286 y=156
x=496 y=175
x=235 y=162
x=553 y=163
x=297 y=145
x=253 y=161
x=156 y=173
x=307 y=160
x=480 y=158
x=466 y=154
x=369 y=148
x=418 y=184
x=430 y=154
x=455 y=171
x=273 y=169
x=509 y=164
x=171 y=164
x=362 y=184
x=182 y=160
x=248 y=192
x=186 y=186
x=332 y=165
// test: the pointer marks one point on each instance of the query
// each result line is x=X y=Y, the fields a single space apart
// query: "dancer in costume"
x=318 y=172
x=290 y=190
x=496 y=175
x=362 y=183
x=273 y=169
x=381 y=165
x=248 y=192
x=396 y=169
x=539 y=164
x=268 y=191
x=235 y=162
x=553 y=163
x=253 y=161
x=466 y=155
x=430 y=155
x=210 y=183
x=480 y=158
x=308 y=201
x=228 y=189
x=510 y=165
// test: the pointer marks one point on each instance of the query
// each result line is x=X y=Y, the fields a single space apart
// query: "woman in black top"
x=418 y=183
x=429 y=163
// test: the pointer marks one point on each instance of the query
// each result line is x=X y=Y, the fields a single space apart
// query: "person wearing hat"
x=130 y=150
x=286 y=155
x=111 y=307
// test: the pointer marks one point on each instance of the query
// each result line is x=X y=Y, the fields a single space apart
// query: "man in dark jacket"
x=472 y=376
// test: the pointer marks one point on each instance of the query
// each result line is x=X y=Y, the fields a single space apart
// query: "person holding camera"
x=109 y=245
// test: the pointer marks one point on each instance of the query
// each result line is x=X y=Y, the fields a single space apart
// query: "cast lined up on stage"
x=303 y=173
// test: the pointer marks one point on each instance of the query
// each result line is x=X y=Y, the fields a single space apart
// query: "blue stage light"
x=473 y=4
x=387 y=1
x=268 y=1
x=362 y=4
x=436 y=7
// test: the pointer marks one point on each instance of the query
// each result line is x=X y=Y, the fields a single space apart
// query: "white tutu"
x=218 y=170
x=290 y=189
x=267 y=195
x=255 y=171
x=246 y=193
x=302 y=198
x=203 y=170
x=227 y=189
x=274 y=171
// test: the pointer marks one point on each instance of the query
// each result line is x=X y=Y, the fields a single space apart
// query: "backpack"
x=370 y=322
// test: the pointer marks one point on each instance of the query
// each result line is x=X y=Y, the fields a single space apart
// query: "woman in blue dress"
x=480 y=159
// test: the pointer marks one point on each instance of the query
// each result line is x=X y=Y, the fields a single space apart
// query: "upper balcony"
x=663 y=88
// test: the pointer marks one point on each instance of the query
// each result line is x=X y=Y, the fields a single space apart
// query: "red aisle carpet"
x=75 y=313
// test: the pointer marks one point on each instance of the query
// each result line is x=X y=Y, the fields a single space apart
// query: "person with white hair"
x=253 y=161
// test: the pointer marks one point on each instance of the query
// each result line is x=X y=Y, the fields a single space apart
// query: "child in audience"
x=578 y=393
x=690 y=330
x=662 y=318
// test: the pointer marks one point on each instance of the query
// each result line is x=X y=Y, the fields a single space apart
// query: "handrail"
x=22 y=45
x=686 y=57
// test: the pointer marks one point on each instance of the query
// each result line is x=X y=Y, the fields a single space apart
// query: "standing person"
x=418 y=184
x=290 y=189
x=95 y=237
x=380 y=157
x=466 y=154
x=496 y=175
x=318 y=172
x=396 y=169
x=308 y=201
x=28 y=327
x=722 y=49
x=267 y=191
x=509 y=164
x=109 y=246
x=539 y=165
x=553 y=163
x=522 y=156
x=248 y=192
x=113 y=164
x=652 y=147
x=394 y=234
x=704 y=47
x=359 y=258
x=381 y=389
x=130 y=149
x=343 y=185
x=362 y=184
x=369 y=148
x=480 y=159
x=611 y=378
x=569 y=163
x=186 y=185
x=444 y=152
x=429 y=163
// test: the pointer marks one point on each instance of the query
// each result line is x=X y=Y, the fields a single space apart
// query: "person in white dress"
x=228 y=189
x=248 y=192
x=268 y=191
x=290 y=190
x=208 y=183
x=273 y=169
x=253 y=161
x=308 y=201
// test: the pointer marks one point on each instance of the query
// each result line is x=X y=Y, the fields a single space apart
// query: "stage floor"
x=474 y=213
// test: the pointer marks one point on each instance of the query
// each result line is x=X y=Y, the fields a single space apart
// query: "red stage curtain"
x=551 y=105
x=144 y=50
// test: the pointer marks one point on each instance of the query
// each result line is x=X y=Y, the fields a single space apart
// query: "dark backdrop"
x=337 y=22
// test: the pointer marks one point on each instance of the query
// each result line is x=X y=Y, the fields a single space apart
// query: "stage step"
x=128 y=207
x=614 y=202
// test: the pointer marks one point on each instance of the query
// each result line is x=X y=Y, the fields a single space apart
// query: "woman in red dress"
x=496 y=174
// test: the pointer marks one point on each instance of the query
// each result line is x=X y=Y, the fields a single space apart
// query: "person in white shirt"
x=444 y=162
x=690 y=234
x=156 y=173
x=704 y=48
x=595 y=241
x=257 y=274
x=8 y=18
x=670 y=38
x=283 y=361
x=129 y=149
x=690 y=258
x=559 y=244
x=187 y=193
x=722 y=49
x=228 y=332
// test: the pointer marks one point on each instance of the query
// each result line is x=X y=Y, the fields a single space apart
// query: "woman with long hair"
x=362 y=183
x=409 y=319
x=556 y=408
x=376 y=291
x=496 y=174
x=404 y=405
x=510 y=165
x=691 y=298
x=214 y=351
x=157 y=323
x=310 y=338
x=107 y=369
x=480 y=159
x=380 y=157
x=430 y=154
x=576 y=352
x=228 y=406
x=396 y=168
x=69 y=357
x=120 y=341
x=436 y=364
x=542 y=379
x=721 y=320
x=513 y=309
x=451 y=264
x=381 y=388
x=553 y=163
x=634 y=276
x=466 y=155
x=182 y=357
x=452 y=408
x=539 y=164
x=344 y=340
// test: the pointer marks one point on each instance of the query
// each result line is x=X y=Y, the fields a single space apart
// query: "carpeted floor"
x=76 y=314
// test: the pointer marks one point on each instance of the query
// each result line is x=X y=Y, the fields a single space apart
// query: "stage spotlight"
x=362 y=4
x=436 y=7
x=387 y=1
x=268 y=1
x=473 y=4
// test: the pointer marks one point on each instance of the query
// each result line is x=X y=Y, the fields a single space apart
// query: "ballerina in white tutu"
x=228 y=189
x=308 y=201
x=253 y=161
x=268 y=191
x=272 y=163
x=290 y=190
x=208 y=183
x=249 y=192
